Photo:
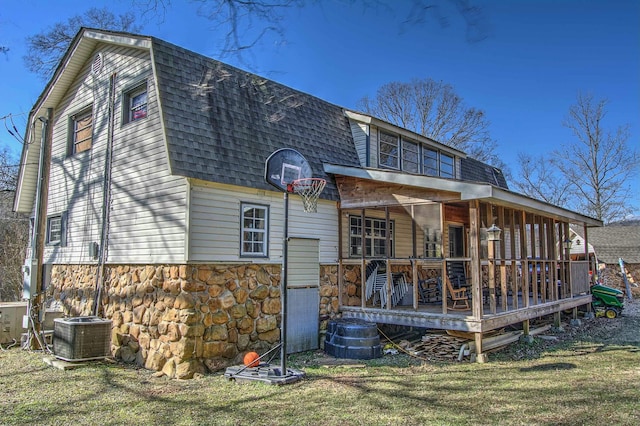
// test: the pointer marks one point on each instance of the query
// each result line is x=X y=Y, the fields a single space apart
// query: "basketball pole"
x=283 y=289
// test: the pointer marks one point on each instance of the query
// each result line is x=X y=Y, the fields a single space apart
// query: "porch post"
x=363 y=258
x=388 y=253
x=503 y=255
x=443 y=265
x=568 y=256
x=340 y=264
x=414 y=261
x=514 y=266
x=480 y=357
x=474 y=252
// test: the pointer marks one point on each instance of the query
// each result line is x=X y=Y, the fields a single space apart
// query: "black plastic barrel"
x=352 y=338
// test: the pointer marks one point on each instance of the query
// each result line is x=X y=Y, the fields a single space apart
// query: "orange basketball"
x=251 y=359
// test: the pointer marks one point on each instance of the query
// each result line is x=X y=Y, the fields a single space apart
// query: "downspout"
x=35 y=311
x=106 y=197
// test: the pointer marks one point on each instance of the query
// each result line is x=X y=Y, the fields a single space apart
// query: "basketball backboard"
x=284 y=166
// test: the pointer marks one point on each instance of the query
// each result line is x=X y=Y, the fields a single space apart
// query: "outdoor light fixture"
x=567 y=244
x=493 y=233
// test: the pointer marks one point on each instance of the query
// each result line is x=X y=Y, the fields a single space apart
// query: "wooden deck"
x=431 y=316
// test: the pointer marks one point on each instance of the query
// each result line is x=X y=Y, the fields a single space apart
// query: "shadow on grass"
x=552 y=366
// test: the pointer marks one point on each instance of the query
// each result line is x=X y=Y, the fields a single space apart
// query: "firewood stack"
x=434 y=347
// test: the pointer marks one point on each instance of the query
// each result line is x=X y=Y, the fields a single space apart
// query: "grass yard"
x=591 y=379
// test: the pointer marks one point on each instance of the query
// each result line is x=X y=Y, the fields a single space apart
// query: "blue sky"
x=537 y=56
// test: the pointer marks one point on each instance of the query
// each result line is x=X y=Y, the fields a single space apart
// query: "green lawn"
x=582 y=382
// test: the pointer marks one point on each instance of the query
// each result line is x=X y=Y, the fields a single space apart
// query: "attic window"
x=135 y=103
x=81 y=131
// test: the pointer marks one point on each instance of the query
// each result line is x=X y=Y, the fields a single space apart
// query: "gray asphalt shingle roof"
x=616 y=241
x=222 y=123
x=477 y=171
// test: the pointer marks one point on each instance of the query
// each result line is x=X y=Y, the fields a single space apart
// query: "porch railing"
x=517 y=284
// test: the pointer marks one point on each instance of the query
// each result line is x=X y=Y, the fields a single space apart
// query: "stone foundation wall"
x=185 y=319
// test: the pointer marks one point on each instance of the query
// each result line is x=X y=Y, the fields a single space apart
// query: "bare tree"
x=433 y=109
x=599 y=164
x=540 y=179
x=14 y=232
x=8 y=171
x=44 y=50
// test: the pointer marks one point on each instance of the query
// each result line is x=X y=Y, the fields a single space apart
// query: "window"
x=56 y=230
x=389 y=150
x=135 y=104
x=375 y=235
x=432 y=246
x=254 y=230
x=410 y=157
x=446 y=166
x=430 y=162
x=81 y=131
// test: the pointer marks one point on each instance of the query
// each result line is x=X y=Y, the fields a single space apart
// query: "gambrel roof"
x=220 y=123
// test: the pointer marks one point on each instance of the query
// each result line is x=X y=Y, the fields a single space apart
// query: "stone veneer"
x=186 y=319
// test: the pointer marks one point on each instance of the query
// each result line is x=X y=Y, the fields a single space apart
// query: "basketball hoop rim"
x=305 y=183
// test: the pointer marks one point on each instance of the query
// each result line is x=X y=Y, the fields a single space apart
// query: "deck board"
x=431 y=316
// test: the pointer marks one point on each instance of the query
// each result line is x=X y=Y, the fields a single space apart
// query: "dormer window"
x=430 y=162
x=389 y=150
x=399 y=153
x=410 y=157
x=447 y=168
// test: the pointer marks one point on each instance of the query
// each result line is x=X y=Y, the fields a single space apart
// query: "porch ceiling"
x=367 y=187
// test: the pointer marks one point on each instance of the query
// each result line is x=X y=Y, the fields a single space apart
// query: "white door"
x=303 y=295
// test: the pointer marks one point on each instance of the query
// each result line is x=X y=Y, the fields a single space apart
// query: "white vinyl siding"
x=214 y=229
x=147 y=210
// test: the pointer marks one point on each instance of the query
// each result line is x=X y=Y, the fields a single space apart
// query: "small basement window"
x=56 y=230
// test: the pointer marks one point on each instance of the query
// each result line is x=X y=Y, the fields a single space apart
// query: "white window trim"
x=265 y=248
